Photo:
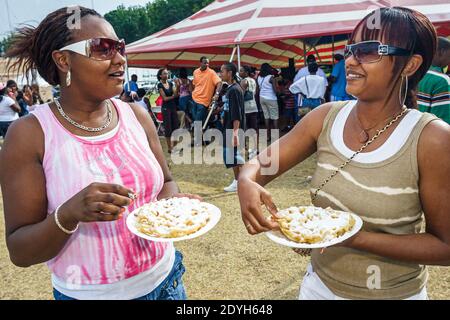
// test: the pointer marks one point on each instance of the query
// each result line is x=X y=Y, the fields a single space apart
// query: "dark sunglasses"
x=372 y=51
x=98 y=48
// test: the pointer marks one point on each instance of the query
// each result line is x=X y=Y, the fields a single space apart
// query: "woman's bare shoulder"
x=434 y=140
x=313 y=121
x=25 y=137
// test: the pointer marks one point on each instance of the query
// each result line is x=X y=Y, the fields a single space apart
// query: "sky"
x=33 y=11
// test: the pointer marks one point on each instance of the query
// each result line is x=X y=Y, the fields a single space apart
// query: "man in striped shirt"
x=434 y=89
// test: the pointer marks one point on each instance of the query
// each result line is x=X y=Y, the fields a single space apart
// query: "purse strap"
x=307 y=88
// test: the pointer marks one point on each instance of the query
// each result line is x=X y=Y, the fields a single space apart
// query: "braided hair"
x=32 y=47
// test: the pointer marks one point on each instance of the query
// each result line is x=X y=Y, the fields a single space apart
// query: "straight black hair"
x=231 y=67
x=407 y=29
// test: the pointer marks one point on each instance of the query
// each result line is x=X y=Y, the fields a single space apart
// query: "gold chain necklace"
x=363 y=147
x=364 y=135
x=80 y=126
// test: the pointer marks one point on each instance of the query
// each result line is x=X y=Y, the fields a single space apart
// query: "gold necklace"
x=364 y=135
x=80 y=126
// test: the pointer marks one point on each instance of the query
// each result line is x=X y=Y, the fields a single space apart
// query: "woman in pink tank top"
x=87 y=161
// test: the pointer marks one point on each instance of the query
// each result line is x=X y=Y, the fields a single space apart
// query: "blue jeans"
x=340 y=98
x=185 y=104
x=172 y=288
x=199 y=112
x=291 y=113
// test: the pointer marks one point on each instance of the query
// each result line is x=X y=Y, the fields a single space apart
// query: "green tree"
x=134 y=23
x=5 y=43
x=130 y=23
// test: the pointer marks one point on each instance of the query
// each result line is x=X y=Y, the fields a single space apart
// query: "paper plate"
x=215 y=218
x=280 y=238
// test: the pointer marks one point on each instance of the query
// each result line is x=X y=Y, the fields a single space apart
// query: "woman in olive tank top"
x=397 y=182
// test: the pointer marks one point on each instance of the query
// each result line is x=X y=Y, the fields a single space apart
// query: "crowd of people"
x=271 y=97
x=15 y=103
x=77 y=166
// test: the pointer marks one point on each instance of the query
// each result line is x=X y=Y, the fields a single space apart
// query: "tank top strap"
x=126 y=114
x=46 y=119
x=330 y=117
x=43 y=114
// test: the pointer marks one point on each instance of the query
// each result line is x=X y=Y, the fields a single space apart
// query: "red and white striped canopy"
x=271 y=31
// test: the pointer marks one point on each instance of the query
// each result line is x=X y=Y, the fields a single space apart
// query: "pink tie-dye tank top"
x=104 y=252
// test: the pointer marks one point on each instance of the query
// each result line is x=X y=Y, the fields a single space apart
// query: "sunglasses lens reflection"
x=366 y=52
x=105 y=49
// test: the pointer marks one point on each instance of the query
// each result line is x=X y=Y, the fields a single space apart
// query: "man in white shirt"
x=311 y=86
x=304 y=71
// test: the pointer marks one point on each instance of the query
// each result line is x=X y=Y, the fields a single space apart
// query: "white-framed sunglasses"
x=97 y=48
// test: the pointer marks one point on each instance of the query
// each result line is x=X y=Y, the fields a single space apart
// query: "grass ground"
x=226 y=263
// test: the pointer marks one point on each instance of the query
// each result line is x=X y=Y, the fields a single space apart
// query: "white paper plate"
x=215 y=217
x=280 y=238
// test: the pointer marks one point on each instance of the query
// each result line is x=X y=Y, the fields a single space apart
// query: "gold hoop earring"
x=68 y=79
x=400 y=100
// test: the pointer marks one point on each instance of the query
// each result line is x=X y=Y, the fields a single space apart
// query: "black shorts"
x=232 y=157
x=251 y=120
x=4 y=125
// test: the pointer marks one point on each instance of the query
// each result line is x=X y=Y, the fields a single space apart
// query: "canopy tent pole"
x=239 y=56
x=317 y=54
x=317 y=51
x=304 y=53
x=332 y=49
x=232 y=54
x=175 y=59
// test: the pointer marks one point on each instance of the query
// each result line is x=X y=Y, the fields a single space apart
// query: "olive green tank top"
x=382 y=187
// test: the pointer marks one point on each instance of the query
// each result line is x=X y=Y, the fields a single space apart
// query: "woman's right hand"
x=97 y=202
x=252 y=196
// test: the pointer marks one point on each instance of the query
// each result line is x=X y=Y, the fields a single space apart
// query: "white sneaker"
x=232 y=187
